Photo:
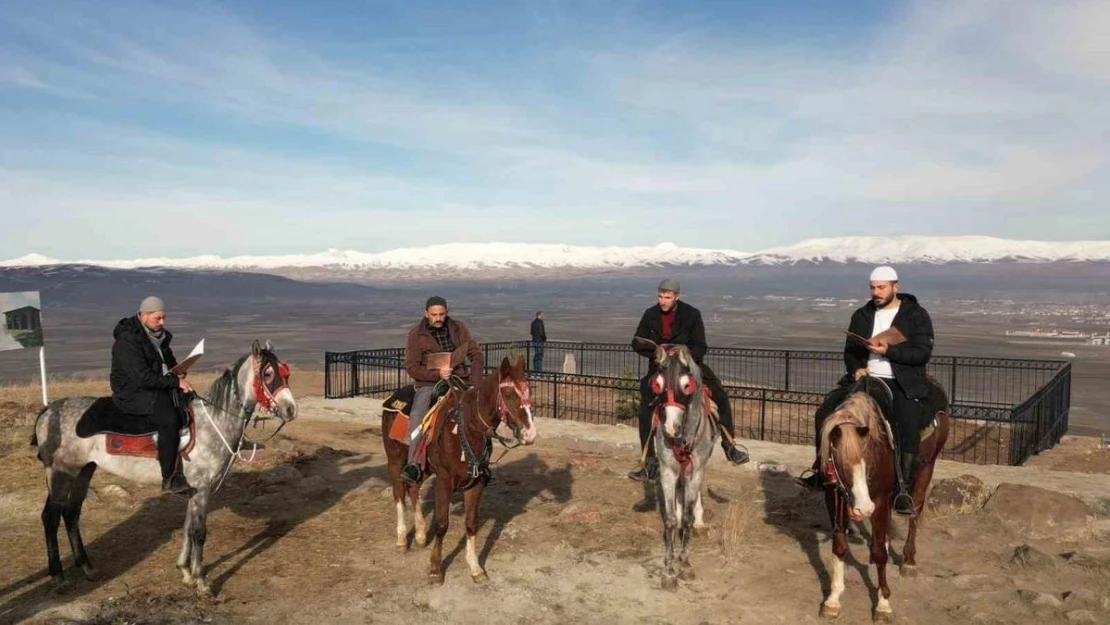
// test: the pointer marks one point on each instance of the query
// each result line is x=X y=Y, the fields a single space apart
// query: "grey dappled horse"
x=684 y=441
x=258 y=379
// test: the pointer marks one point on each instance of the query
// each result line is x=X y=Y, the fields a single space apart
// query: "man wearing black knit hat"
x=435 y=333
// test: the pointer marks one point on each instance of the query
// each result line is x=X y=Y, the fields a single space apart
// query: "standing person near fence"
x=539 y=337
x=901 y=366
x=678 y=323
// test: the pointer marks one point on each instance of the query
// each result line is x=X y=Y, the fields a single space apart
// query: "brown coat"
x=420 y=343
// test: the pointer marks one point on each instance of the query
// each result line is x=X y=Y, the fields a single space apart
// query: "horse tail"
x=35 y=429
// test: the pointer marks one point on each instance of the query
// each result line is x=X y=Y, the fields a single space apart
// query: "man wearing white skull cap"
x=901 y=366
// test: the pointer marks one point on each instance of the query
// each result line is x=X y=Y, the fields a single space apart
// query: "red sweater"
x=668 y=321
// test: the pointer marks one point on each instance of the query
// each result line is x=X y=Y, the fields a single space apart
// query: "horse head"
x=678 y=385
x=846 y=440
x=268 y=377
x=514 y=402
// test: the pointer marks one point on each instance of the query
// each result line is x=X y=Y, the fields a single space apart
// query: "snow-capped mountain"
x=469 y=256
x=451 y=255
x=931 y=250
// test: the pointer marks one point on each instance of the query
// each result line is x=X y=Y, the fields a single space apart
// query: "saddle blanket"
x=126 y=434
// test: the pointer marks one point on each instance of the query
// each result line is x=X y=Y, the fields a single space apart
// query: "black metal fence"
x=1004 y=410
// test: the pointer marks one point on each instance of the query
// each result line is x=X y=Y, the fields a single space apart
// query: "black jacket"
x=687 y=329
x=907 y=360
x=136 y=368
x=539 y=334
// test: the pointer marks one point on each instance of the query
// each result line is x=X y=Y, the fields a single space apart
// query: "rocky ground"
x=306 y=534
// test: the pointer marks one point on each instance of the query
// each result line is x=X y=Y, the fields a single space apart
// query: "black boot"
x=178 y=485
x=649 y=472
x=815 y=480
x=735 y=454
x=907 y=468
x=412 y=473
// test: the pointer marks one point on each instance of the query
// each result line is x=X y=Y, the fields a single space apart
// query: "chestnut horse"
x=458 y=455
x=857 y=457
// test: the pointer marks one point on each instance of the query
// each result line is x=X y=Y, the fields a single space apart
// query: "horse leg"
x=830 y=609
x=880 y=552
x=72 y=517
x=692 y=492
x=58 y=485
x=473 y=499
x=421 y=537
x=700 y=528
x=671 y=493
x=198 y=532
x=443 y=511
x=398 y=497
x=909 y=550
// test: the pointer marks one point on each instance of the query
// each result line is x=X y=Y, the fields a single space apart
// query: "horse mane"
x=225 y=388
x=859 y=410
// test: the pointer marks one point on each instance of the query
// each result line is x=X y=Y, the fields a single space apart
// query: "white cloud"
x=696 y=137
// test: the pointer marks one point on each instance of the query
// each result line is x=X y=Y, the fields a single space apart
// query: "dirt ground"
x=305 y=534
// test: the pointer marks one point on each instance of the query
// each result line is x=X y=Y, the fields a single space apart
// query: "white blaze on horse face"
x=672 y=419
x=529 y=433
x=287 y=406
x=859 y=490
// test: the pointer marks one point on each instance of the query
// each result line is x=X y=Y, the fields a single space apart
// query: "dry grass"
x=735 y=524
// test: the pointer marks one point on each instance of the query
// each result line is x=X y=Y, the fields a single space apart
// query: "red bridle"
x=264 y=394
x=522 y=390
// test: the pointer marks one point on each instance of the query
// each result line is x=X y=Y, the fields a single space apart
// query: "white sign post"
x=22 y=327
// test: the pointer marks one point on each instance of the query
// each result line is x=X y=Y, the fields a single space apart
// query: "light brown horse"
x=458 y=450
x=857 y=457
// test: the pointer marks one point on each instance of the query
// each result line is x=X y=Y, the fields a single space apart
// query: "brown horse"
x=458 y=455
x=857 y=457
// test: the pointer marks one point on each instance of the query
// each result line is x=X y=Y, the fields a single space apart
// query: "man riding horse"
x=901 y=366
x=435 y=333
x=143 y=386
x=672 y=321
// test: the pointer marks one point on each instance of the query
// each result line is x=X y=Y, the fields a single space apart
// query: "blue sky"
x=290 y=127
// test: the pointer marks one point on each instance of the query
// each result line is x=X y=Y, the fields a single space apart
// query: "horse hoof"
x=435 y=579
x=480 y=578
x=829 y=611
x=91 y=574
x=204 y=590
x=670 y=582
x=908 y=570
x=882 y=617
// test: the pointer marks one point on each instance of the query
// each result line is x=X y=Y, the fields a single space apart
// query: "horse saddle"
x=400 y=402
x=128 y=434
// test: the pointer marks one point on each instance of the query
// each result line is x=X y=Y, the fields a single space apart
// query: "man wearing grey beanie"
x=143 y=386
x=676 y=322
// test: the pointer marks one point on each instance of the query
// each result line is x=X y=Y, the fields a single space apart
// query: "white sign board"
x=22 y=320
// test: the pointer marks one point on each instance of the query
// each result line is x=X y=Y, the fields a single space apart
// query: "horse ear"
x=660 y=354
x=506 y=367
x=256 y=349
x=519 y=367
x=269 y=346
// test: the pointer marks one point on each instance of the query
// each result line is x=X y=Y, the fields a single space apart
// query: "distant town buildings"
x=1099 y=339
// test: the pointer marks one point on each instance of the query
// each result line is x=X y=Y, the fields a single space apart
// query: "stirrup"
x=903 y=496
x=813 y=482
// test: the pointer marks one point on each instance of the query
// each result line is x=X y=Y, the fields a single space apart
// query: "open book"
x=183 y=366
x=439 y=360
x=890 y=336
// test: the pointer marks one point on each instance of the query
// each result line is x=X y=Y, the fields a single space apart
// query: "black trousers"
x=716 y=391
x=906 y=420
x=168 y=420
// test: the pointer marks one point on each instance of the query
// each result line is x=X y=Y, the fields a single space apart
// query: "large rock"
x=1040 y=513
x=961 y=495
